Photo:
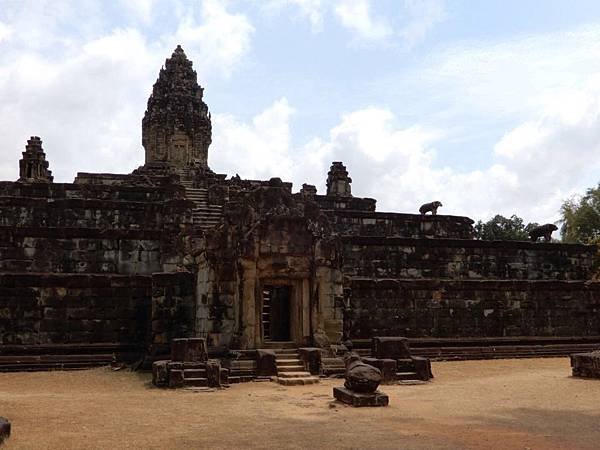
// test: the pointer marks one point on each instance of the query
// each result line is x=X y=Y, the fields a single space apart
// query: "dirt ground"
x=504 y=404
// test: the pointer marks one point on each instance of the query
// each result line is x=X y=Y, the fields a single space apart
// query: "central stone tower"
x=176 y=128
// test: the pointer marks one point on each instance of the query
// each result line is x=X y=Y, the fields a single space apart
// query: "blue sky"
x=489 y=106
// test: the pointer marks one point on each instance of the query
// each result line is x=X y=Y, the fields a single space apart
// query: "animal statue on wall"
x=430 y=207
x=544 y=231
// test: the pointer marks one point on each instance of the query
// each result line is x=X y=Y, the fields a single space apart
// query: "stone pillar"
x=250 y=326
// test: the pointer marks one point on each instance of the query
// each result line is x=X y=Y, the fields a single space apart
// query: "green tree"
x=503 y=229
x=581 y=218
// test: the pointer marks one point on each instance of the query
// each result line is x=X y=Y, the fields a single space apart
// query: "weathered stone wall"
x=73 y=308
x=80 y=250
x=375 y=257
x=362 y=223
x=426 y=308
x=173 y=309
x=92 y=228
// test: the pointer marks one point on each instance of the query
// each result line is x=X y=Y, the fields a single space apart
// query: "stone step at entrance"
x=279 y=345
x=194 y=375
x=290 y=368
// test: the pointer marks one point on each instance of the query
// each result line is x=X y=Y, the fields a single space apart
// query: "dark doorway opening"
x=276 y=313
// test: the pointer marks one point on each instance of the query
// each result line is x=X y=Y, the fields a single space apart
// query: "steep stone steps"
x=204 y=215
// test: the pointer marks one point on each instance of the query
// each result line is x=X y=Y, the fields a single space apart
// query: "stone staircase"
x=405 y=370
x=204 y=215
x=290 y=368
x=194 y=375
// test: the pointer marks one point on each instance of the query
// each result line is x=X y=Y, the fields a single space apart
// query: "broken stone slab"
x=586 y=365
x=358 y=399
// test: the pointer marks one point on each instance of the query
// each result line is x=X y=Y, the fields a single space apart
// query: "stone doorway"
x=276 y=313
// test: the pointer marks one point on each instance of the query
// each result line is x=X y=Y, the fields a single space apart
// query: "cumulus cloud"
x=313 y=10
x=85 y=93
x=5 y=31
x=258 y=150
x=422 y=16
x=535 y=166
x=358 y=16
x=220 y=40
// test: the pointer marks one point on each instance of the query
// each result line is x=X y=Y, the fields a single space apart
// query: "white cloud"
x=259 y=150
x=537 y=164
x=423 y=15
x=5 y=32
x=141 y=9
x=357 y=16
x=87 y=104
x=220 y=40
x=313 y=10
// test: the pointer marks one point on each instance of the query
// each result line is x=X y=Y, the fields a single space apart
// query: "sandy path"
x=475 y=404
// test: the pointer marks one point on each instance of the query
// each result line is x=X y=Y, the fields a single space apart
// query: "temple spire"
x=33 y=167
x=176 y=128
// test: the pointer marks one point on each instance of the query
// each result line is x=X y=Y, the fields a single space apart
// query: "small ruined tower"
x=176 y=128
x=33 y=167
x=338 y=181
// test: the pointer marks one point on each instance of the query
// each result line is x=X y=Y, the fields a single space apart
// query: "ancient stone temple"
x=176 y=128
x=122 y=264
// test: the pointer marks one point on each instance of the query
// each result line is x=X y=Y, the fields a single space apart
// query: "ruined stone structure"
x=127 y=263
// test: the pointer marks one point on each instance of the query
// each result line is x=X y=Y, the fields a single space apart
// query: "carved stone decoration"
x=338 y=181
x=33 y=167
x=361 y=377
x=176 y=128
x=362 y=381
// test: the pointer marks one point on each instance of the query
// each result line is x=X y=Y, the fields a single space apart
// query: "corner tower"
x=176 y=129
x=33 y=167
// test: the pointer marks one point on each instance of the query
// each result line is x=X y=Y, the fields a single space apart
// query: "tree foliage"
x=581 y=218
x=503 y=229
